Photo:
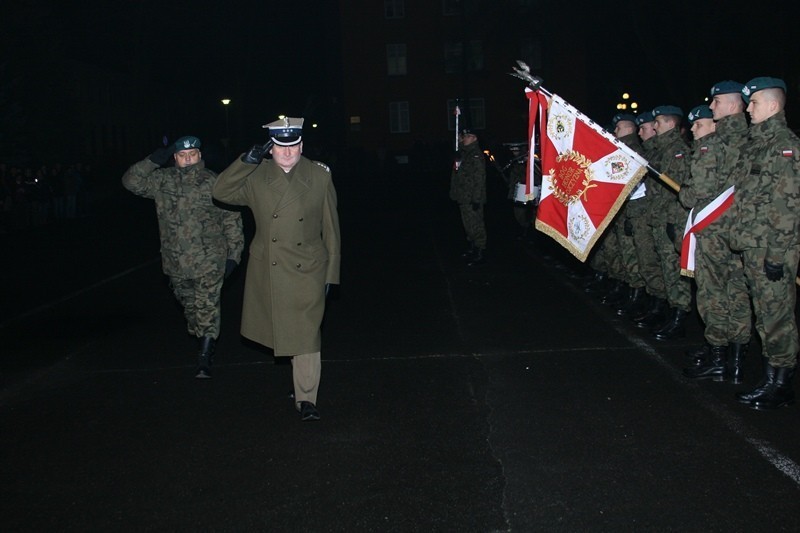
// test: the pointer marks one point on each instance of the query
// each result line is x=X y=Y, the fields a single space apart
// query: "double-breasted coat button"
x=298 y=265
x=275 y=216
x=274 y=239
x=274 y=263
x=301 y=220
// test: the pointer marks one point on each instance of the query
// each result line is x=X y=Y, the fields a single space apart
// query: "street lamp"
x=227 y=140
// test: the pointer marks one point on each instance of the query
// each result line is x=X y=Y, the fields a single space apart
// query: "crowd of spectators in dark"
x=33 y=196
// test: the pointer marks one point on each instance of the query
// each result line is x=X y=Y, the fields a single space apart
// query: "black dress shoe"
x=308 y=411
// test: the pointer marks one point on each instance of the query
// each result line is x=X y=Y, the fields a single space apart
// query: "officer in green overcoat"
x=294 y=255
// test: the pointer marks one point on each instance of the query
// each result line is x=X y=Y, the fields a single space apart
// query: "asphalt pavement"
x=493 y=398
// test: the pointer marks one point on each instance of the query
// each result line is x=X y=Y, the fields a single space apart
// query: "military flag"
x=697 y=223
x=587 y=174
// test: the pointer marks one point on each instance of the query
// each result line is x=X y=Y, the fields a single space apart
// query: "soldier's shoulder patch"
x=323 y=165
x=703 y=149
x=787 y=152
x=679 y=155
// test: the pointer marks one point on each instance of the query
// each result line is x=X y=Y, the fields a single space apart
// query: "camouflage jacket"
x=197 y=237
x=670 y=157
x=468 y=181
x=767 y=198
x=634 y=208
x=714 y=158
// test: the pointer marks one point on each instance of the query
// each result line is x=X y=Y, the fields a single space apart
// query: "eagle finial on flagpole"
x=524 y=73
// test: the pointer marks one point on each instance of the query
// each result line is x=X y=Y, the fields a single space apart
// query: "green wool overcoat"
x=294 y=252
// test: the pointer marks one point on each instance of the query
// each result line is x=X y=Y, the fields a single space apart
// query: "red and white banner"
x=587 y=174
x=704 y=218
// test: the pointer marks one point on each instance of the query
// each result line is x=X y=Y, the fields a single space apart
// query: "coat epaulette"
x=323 y=165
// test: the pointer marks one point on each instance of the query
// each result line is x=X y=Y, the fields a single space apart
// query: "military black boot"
x=654 y=315
x=478 y=258
x=736 y=355
x=767 y=380
x=205 y=358
x=615 y=293
x=778 y=393
x=715 y=368
x=597 y=283
x=698 y=356
x=632 y=304
x=674 y=327
x=469 y=252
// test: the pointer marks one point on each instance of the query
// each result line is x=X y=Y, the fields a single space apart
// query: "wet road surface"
x=497 y=398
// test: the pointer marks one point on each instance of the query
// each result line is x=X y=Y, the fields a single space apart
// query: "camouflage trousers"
x=200 y=299
x=605 y=256
x=722 y=299
x=678 y=289
x=649 y=266
x=627 y=254
x=474 y=226
x=773 y=303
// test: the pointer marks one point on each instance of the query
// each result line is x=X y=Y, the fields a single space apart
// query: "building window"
x=453 y=57
x=473 y=115
x=399 y=117
x=394 y=9
x=396 y=59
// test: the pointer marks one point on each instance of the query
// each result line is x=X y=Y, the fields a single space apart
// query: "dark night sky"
x=280 y=57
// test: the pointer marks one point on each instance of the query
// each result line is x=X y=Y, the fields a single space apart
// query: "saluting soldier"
x=722 y=299
x=295 y=253
x=201 y=243
x=766 y=229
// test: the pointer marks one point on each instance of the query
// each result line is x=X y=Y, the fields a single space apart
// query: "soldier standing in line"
x=626 y=131
x=295 y=253
x=722 y=299
x=468 y=190
x=668 y=218
x=649 y=265
x=766 y=228
x=201 y=243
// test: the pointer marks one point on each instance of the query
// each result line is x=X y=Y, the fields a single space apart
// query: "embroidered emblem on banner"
x=617 y=167
x=560 y=127
x=572 y=178
x=579 y=227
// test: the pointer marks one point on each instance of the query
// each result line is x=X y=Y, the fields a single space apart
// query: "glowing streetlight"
x=226 y=142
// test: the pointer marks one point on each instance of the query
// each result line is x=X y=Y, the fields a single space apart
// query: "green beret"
x=667 y=110
x=701 y=111
x=727 y=87
x=619 y=117
x=187 y=143
x=644 y=118
x=759 y=84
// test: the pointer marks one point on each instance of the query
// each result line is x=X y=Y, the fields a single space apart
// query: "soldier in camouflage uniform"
x=668 y=218
x=625 y=130
x=468 y=189
x=638 y=214
x=200 y=243
x=766 y=228
x=722 y=299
